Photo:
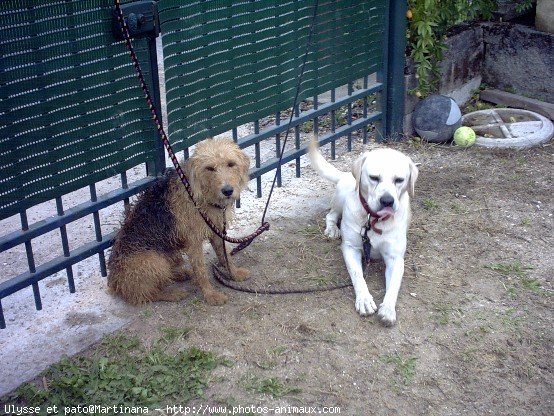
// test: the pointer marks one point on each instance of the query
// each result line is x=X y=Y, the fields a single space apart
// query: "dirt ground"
x=474 y=333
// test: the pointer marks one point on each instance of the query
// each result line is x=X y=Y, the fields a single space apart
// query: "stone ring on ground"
x=509 y=128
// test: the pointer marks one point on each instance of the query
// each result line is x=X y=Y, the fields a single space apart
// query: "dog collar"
x=372 y=217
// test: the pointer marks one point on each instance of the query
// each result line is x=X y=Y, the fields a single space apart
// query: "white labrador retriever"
x=374 y=202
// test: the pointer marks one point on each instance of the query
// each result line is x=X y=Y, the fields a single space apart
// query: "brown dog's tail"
x=321 y=166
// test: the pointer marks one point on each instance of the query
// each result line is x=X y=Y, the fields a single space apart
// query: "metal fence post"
x=395 y=69
x=157 y=166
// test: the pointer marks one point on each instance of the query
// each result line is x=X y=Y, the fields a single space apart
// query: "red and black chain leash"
x=242 y=242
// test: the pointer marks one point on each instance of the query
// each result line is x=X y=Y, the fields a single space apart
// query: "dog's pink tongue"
x=385 y=213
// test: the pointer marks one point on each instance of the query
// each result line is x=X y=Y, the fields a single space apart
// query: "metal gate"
x=72 y=114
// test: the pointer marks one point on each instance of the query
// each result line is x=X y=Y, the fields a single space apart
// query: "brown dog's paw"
x=240 y=274
x=214 y=297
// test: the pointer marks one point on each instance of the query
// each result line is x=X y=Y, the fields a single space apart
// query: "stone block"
x=463 y=58
x=544 y=17
x=519 y=59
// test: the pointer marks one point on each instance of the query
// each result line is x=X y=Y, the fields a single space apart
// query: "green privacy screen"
x=71 y=111
x=232 y=62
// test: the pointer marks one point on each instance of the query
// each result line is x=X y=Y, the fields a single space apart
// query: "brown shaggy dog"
x=163 y=224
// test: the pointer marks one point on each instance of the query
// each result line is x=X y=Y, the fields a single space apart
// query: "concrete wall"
x=519 y=59
x=462 y=63
x=544 y=19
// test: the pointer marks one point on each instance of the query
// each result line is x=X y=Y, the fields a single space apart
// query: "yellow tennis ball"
x=464 y=136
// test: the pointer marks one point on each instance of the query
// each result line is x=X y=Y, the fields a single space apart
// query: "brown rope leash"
x=224 y=279
x=242 y=242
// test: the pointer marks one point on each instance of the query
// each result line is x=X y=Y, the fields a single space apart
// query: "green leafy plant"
x=523 y=6
x=428 y=22
x=122 y=372
x=405 y=366
x=430 y=205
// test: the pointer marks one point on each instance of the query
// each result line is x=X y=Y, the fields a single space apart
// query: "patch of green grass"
x=307 y=127
x=310 y=231
x=515 y=268
x=430 y=205
x=270 y=360
x=119 y=344
x=171 y=334
x=531 y=284
x=273 y=386
x=147 y=313
x=458 y=209
x=340 y=116
x=120 y=371
x=511 y=319
x=444 y=312
x=319 y=280
x=470 y=354
x=405 y=366
x=477 y=105
x=521 y=161
x=280 y=350
x=525 y=222
x=512 y=292
x=196 y=302
x=518 y=269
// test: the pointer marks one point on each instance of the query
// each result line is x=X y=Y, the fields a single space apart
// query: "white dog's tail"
x=320 y=165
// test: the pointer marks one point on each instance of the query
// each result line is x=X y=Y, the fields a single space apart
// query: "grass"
x=459 y=209
x=531 y=284
x=121 y=371
x=518 y=269
x=307 y=126
x=430 y=205
x=320 y=280
x=270 y=359
x=171 y=334
x=513 y=268
x=512 y=319
x=310 y=231
x=404 y=366
x=442 y=313
x=525 y=222
x=273 y=386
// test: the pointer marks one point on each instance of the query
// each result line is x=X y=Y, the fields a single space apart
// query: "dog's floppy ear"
x=357 y=168
x=414 y=172
x=191 y=168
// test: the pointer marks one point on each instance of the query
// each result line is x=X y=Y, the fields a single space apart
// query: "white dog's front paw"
x=365 y=305
x=387 y=314
x=332 y=231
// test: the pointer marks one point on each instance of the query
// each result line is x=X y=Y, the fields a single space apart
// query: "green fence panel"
x=71 y=110
x=232 y=62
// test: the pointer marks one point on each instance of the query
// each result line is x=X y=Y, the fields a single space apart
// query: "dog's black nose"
x=227 y=190
x=386 y=201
